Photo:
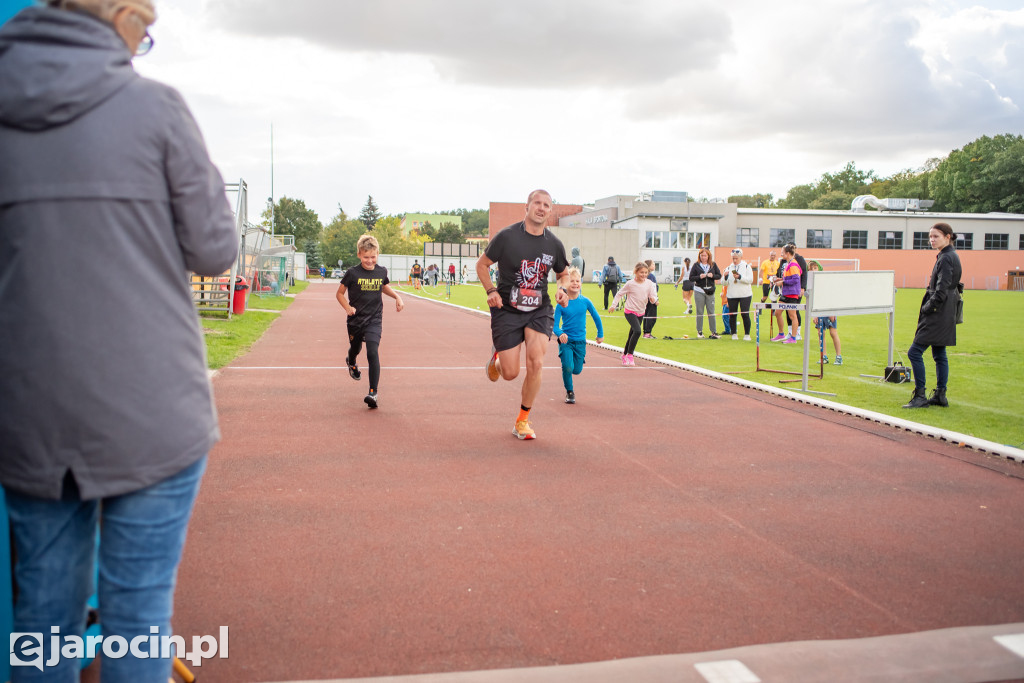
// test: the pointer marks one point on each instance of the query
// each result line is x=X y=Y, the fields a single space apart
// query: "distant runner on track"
x=521 y=311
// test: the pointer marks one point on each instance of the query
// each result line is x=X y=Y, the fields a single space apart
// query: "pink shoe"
x=625 y=361
x=630 y=359
x=779 y=337
x=790 y=340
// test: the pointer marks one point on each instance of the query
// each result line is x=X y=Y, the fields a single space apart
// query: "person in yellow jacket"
x=767 y=271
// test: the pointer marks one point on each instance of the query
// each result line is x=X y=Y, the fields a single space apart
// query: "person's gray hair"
x=106 y=9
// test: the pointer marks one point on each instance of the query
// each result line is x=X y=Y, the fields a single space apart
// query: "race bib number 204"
x=525 y=300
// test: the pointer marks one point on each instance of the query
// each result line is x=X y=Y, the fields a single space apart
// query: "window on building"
x=889 y=239
x=997 y=241
x=678 y=225
x=964 y=241
x=677 y=268
x=657 y=267
x=1020 y=242
x=661 y=239
x=819 y=239
x=855 y=239
x=747 y=237
x=780 y=237
x=921 y=241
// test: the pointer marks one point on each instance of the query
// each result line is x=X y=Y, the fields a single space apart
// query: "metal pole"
x=271 y=184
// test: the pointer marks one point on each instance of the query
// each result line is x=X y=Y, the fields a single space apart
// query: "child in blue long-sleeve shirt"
x=571 y=331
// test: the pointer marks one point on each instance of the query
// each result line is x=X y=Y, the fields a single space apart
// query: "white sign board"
x=851 y=292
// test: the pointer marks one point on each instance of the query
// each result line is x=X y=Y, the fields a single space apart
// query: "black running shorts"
x=370 y=332
x=508 y=328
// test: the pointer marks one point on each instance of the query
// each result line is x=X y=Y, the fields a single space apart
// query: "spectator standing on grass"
x=937 y=318
x=790 y=278
x=768 y=270
x=636 y=294
x=687 y=283
x=578 y=261
x=827 y=323
x=726 y=325
x=704 y=274
x=803 y=285
x=611 y=276
x=651 y=312
x=451 y=273
x=108 y=414
x=739 y=277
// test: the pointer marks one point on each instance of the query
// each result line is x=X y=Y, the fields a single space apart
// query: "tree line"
x=336 y=241
x=987 y=175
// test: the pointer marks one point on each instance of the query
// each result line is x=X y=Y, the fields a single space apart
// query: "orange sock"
x=524 y=414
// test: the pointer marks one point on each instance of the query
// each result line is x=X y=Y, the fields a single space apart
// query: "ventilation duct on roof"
x=891 y=204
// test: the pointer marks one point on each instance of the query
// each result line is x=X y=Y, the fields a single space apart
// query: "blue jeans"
x=573 y=354
x=141 y=538
x=916 y=356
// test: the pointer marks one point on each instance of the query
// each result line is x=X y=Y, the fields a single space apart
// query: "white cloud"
x=456 y=103
x=528 y=43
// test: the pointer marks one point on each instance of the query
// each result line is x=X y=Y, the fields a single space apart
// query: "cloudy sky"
x=455 y=103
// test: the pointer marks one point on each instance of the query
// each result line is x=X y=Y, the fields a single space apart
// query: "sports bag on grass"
x=897 y=373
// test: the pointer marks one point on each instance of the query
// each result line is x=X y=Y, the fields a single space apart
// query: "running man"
x=521 y=312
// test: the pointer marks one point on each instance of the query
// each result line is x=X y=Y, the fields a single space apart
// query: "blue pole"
x=8 y=8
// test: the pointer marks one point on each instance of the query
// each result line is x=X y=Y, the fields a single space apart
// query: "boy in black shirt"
x=363 y=285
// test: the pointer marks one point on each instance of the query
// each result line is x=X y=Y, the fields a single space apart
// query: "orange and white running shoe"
x=523 y=430
x=493 y=372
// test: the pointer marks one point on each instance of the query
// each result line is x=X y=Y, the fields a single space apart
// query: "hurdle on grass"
x=838 y=293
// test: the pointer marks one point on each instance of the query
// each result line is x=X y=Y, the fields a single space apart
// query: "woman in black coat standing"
x=936 y=322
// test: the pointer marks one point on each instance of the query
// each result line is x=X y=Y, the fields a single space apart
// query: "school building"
x=666 y=227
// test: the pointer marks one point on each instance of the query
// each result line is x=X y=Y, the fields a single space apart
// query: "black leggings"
x=650 y=317
x=372 y=358
x=609 y=288
x=635 y=330
x=735 y=306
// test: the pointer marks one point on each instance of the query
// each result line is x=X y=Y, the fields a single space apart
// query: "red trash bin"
x=238 y=298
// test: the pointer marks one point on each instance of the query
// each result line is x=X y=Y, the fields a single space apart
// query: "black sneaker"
x=353 y=371
x=371 y=400
x=570 y=397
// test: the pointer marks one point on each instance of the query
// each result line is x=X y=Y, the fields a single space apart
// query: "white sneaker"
x=735 y=337
x=798 y=337
x=746 y=337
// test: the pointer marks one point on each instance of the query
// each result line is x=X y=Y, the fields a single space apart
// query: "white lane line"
x=1014 y=643
x=478 y=368
x=726 y=671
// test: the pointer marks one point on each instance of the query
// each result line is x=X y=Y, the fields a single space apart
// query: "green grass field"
x=985 y=399
x=226 y=339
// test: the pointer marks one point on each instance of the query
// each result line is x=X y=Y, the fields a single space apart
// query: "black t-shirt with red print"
x=524 y=261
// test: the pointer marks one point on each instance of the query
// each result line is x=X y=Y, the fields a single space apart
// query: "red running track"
x=337 y=542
